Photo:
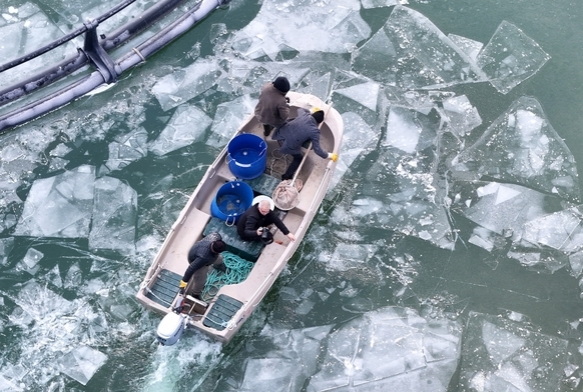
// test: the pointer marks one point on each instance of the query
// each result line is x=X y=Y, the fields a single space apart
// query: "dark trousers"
x=267 y=129
x=293 y=166
x=198 y=276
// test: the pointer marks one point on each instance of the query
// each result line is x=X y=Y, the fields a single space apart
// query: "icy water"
x=447 y=255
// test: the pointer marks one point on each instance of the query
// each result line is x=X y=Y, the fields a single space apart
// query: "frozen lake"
x=447 y=256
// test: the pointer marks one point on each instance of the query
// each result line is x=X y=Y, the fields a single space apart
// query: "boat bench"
x=222 y=312
x=249 y=250
x=165 y=288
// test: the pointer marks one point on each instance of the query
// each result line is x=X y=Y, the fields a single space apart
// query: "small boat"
x=222 y=311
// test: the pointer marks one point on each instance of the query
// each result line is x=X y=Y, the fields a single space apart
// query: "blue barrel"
x=231 y=201
x=247 y=156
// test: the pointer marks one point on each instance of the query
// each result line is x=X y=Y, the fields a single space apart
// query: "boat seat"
x=165 y=288
x=222 y=312
x=249 y=250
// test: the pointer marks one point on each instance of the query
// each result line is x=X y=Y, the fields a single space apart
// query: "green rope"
x=237 y=271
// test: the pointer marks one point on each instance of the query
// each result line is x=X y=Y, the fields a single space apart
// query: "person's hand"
x=291 y=237
x=333 y=156
x=259 y=231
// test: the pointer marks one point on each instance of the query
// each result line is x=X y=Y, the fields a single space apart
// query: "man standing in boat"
x=293 y=134
x=252 y=225
x=272 y=109
x=201 y=256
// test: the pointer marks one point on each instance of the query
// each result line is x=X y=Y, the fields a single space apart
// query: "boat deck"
x=224 y=312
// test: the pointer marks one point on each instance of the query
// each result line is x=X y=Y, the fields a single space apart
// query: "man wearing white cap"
x=252 y=225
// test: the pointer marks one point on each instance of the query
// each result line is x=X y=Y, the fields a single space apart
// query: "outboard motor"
x=171 y=328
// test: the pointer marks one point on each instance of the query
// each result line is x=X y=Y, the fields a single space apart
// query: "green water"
x=99 y=287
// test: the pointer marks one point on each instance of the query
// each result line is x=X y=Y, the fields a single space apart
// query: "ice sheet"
x=113 y=225
x=414 y=208
x=308 y=26
x=391 y=348
x=59 y=206
x=184 y=84
x=470 y=47
x=82 y=363
x=561 y=230
x=511 y=57
x=126 y=149
x=410 y=52
x=462 y=117
x=499 y=207
x=228 y=118
x=503 y=355
x=357 y=139
x=522 y=147
x=367 y=94
x=187 y=125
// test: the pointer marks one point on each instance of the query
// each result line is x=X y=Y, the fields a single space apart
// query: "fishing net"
x=287 y=194
x=237 y=271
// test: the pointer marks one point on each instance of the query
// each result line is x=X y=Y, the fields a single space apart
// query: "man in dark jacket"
x=296 y=132
x=257 y=217
x=272 y=109
x=201 y=256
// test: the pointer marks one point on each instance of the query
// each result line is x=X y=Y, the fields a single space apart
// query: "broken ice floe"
x=461 y=116
x=6 y=245
x=82 y=363
x=53 y=327
x=181 y=85
x=503 y=355
x=521 y=146
x=306 y=28
x=127 y=148
x=367 y=94
x=499 y=207
x=391 y=348
x=29 y=262
x=357 y=139
x=366 y=4
x=113 y=224
x=25 y=31
x=410 y=52
x=74 y=204
x=510 y=57
x=562 y=230
x=469 y=46
x=59 y=206
x=187 y=125
x=228 y=118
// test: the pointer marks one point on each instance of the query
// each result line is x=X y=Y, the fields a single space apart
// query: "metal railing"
x=95 y=53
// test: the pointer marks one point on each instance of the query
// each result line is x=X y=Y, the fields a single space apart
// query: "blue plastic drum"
x=247 y=156
x=231 y=201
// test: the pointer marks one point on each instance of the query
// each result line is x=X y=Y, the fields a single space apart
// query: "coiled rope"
x=237 y=271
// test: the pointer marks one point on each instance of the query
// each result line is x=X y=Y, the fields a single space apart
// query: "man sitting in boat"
x=293 y=134
x=252 y=225
x=201 y=256
x=272 y=109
